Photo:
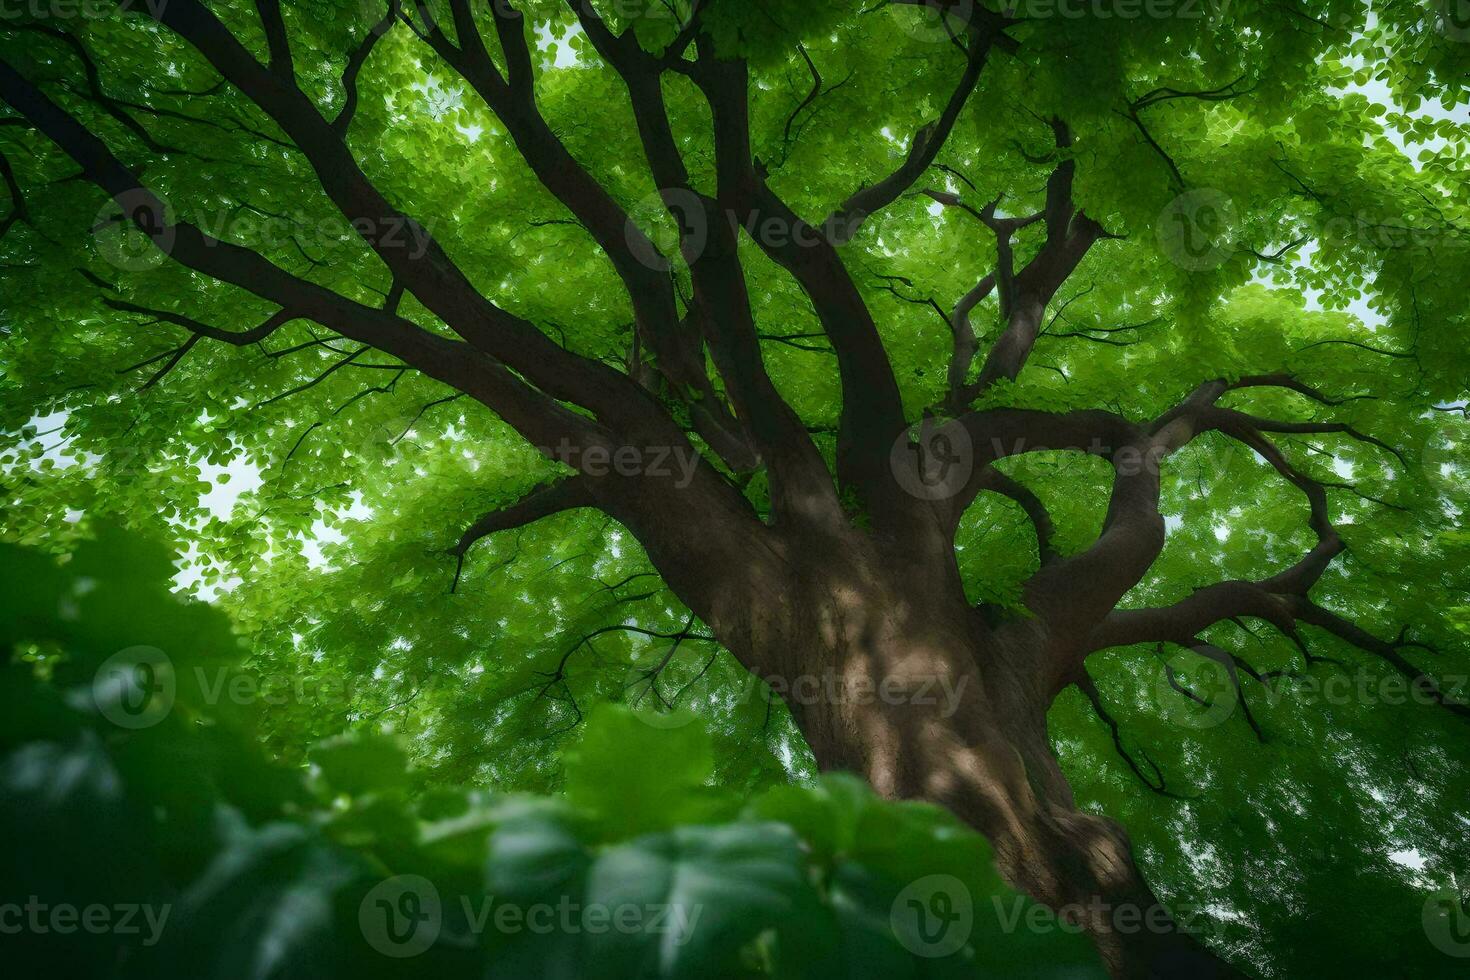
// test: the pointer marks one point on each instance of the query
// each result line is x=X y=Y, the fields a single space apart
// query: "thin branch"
x=541 y=501
x=333 y=369
x=1385 y=650
x=1357 y=344
x=849 y=217
x=240 y=338
x=355 y=62
x=93 y=78
x=998 y=482
x=1088 y=686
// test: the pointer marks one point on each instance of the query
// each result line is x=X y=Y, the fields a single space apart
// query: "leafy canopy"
x=320 y=504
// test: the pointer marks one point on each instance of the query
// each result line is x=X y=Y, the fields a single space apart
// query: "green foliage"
x=668 y=786
x=322 y=521
x=242 y=869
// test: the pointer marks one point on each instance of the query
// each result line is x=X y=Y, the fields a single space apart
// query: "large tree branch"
x=689 y=535
x=973 y=17
x=999 y=433
x=997 y=482
x=872 y=410
x=1279 y=599
x=1290 y=383
x=679 y=355
x=966 y=343
x=427 y=270
x=689 y=520
x=721 y=305
x=542 y=501
x=529 y=411
x=1386 y=650
x=1179 y=622
x=277 y=41
x=848 y=218
x=1024 y=295
x=18 y=210
x=1077 y=595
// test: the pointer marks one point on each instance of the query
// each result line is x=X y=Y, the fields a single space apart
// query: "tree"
x=147 y=804
x=808 y=300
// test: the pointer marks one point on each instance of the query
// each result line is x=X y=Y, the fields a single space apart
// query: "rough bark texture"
x=891 y=674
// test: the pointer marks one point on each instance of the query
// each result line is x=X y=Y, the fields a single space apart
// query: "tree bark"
x=891 y=675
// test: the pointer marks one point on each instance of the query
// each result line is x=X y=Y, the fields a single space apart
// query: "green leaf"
x=361 y=762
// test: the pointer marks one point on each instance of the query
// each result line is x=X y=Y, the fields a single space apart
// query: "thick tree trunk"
x=891 y=675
